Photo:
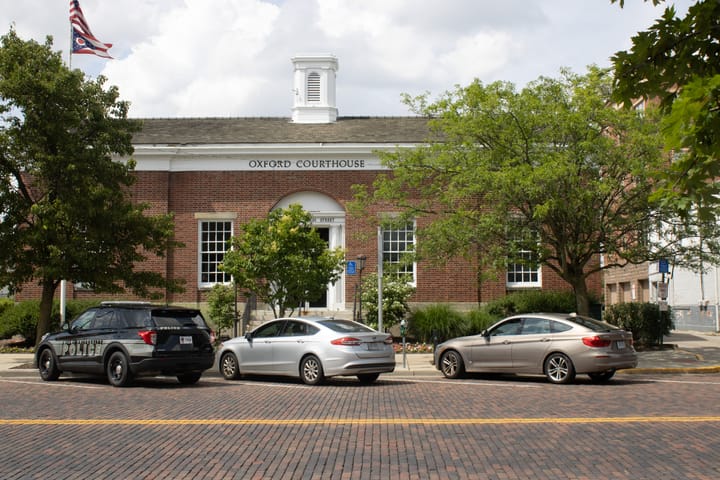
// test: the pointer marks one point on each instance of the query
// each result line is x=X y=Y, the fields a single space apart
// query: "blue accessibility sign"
x=351 y=268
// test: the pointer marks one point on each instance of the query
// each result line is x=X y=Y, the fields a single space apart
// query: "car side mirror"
x=485 y=333
x=249 y=336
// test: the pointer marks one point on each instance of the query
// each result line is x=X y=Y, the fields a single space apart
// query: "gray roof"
x=394 y=130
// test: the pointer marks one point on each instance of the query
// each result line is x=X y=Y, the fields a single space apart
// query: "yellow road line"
x=357 y=421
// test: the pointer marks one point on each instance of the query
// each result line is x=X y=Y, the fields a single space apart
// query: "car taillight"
x=388 y=340
x=148 y=336
x=347 y=341
x=596 y=342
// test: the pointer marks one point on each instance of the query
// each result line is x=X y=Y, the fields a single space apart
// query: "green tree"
x=677 y=60
x=66 y=213
x=283 y=260
x=551 y=175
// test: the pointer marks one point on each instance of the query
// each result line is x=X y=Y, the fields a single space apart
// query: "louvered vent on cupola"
x=313 y=88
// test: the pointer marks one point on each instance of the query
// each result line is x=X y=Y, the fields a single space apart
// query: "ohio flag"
x=83 y=40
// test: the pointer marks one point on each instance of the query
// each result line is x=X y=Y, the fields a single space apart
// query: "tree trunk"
x=582 y=299
x=46 y=303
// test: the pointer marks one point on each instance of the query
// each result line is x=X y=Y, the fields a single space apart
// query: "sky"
x=231 y=58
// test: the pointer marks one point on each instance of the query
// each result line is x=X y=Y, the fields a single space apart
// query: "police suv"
x=123 y=340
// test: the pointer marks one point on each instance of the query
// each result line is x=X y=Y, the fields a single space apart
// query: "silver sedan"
x=555 y=345
x=311 y=348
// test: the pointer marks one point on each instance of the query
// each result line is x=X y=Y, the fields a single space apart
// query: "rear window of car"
x=175 y=318
x=592 y=324
x=345 y=326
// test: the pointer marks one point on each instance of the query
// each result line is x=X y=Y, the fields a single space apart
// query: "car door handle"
x=506 y=342
x=300 y=341
x=545 y=339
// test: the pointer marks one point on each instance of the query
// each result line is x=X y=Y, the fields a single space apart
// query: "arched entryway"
x=328 y=217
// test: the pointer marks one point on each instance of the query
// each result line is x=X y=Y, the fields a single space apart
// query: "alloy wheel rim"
x=450 y=364
x=310 y=370
x=558 y=368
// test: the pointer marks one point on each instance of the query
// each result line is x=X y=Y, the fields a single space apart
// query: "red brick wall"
x=253 y=194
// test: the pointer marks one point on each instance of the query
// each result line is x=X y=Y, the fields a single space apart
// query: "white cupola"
x=314 y=88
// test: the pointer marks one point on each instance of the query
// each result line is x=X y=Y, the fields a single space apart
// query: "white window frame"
x=216 y=251
x=392 y=250
x=525 y=272
x=524 y=275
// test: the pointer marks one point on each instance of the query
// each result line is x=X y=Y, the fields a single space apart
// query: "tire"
x=451 y=364
x=559 y=369
x=311 y=370
x=189 y=378
x=602 y=377
x=118 y=370
x=229 y=366
x=47 y=365
x=367 y=378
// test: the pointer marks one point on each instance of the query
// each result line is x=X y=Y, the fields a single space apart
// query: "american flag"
x=83 y=40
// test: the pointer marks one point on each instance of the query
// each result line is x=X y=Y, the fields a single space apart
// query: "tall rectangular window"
x=214 y=242
x=398 y=244
x=524 y=271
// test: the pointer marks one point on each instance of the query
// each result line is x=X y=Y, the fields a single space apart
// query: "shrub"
x=645 y=320
x=396 y=292
x=5 y=303
x=438 y=320
x=221 y=307
x=21 y=319
x=479 y=320
x=532 y=301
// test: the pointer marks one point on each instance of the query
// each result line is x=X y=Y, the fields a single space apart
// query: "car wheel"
x=451 y=364
x=189 y=378
x=368 y=377
x=559 y=368
x=602 y=377
x=229 y=367
x=118 y=370
x=311 y=370
x=48 y=366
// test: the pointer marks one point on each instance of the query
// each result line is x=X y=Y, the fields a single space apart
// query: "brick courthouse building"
x=215 y=174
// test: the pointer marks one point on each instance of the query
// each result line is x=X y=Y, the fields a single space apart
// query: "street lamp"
x=361 y=266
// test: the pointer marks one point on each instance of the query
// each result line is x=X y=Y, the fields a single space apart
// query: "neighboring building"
x=215 y=174
x=694 y=298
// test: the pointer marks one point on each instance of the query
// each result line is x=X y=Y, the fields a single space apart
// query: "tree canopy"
x=550 y=175
x=677 y=61
x=65 y=207
x=283 y=260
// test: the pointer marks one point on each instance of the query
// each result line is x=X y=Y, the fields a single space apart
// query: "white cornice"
x=254 y=157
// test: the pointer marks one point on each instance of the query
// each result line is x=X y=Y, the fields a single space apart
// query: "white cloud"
x=232 y=57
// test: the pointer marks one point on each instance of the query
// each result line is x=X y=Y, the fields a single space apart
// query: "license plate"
x=620 y=345
x=186 y=340
x=374 y=346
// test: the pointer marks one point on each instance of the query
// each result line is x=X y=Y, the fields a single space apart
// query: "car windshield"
x=345 y=326
x=592 y=324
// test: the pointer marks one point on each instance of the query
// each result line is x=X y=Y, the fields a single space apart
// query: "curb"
x=635 y=371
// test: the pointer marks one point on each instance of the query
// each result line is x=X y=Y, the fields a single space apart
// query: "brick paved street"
x=639 y=427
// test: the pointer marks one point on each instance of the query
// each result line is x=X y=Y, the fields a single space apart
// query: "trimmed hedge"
x=533 y=301
x=645 y=320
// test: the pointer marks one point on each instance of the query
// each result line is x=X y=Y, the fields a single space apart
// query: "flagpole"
x=70 y=50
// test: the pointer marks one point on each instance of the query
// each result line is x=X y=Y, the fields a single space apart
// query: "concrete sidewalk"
x=683 y=352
